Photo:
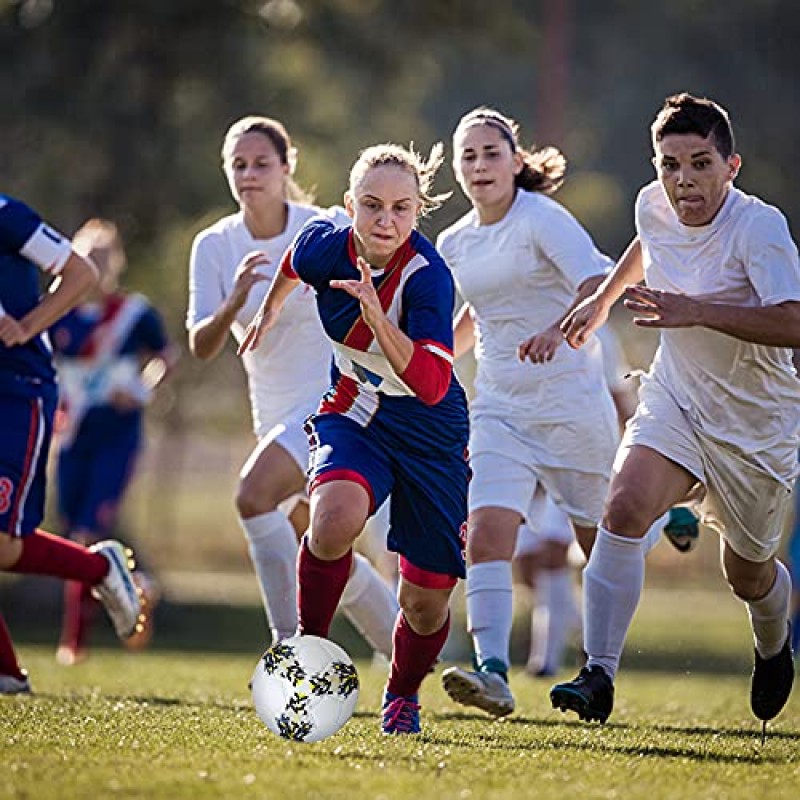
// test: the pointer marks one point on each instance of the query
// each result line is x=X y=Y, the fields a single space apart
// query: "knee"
x=333 y=530
x=252 y=499
x=751 y=584
x=482 y=546
x=424 y=615
x=626 y=515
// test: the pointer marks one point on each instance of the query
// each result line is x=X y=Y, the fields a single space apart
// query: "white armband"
x=47 y=249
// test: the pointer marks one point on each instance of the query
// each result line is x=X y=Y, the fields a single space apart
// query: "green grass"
x=176 y=722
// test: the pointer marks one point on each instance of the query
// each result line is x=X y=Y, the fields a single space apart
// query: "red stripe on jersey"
x=286 y=265
x=341 y=397
x=24 y=478
x=360 y=336
x=344 y=475
x=425 y=578
x=113 y=305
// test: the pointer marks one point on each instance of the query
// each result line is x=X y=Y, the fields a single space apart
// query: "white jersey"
x=742 y=394
x=291 y=367
x=519 y=276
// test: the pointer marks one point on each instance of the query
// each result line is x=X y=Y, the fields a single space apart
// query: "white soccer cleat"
x=118 y=592
x=485 y=690
x=11 y=685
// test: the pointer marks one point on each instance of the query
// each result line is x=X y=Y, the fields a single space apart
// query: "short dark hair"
x=684 y=113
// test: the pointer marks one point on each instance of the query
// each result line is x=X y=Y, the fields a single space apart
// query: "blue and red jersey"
x=27 y=246
x=416 y=290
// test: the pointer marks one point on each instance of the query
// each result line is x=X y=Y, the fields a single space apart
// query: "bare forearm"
x=207 y=337
x=773 y=326
x=75 y=281
x=395 y=345
x=629 y=270
x=463 y=332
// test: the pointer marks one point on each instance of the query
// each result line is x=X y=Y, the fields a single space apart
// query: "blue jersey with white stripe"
x=417 y=293
x=27 y=246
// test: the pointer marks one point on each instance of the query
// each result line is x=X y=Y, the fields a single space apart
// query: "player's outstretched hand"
x=364 y=291
x=661 y=309
x=262 y=322
x=583 y=321
x=542 y=346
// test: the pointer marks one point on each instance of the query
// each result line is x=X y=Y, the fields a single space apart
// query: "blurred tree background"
x=118 y=109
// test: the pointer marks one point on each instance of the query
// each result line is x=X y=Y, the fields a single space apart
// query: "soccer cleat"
x=11 y=685
x=772 y=682
x=118 y=592
x=682 y=529
x=590 y=695
x=400 y=714
x=486 y=690
x=149 y=597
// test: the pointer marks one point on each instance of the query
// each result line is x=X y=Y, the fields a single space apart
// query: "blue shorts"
x=26 y=427
x=92 y=476
x=428 y=506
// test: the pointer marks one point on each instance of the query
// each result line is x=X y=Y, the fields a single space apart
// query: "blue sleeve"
x=18 y=223
x=314 y=250
x=428 y=300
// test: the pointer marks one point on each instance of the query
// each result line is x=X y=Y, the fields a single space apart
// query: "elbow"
x=431 y=397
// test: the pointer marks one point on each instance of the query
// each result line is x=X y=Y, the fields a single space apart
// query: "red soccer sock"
x=413 y=656
x=79 y=608
x=8 y=658
x=319 y=588
x=45 y=554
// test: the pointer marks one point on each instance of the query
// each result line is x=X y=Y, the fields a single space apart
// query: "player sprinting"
x=111 y=352
x=720 y=406
x=394 y=421
x=28 y=394
x=232 y=263
x=520 y=260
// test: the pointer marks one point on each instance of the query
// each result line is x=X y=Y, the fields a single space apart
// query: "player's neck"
x=266 y=223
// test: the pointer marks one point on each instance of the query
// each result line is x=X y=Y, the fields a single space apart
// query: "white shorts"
x=746 y=503
x=571 y=460
x=546 y=523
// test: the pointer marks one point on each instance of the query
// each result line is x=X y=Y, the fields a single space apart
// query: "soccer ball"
x=305 y=688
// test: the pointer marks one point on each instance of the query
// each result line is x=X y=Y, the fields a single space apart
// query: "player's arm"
x=283 y=284
x=463 y=332
x=774 y=326
x=76 y=278
x=593 y=311
x=208 y=336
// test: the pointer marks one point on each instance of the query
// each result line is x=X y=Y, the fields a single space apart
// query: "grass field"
x=178 y=723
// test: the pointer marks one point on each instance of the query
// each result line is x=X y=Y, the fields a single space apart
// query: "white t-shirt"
x=292 y=364
x=740 y=393
x=519 y=276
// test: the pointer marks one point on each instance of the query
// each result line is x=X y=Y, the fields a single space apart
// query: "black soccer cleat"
x=590 y=695
x=772 y=682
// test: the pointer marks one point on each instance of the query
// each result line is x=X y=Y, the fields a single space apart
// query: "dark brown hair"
x=683 y=113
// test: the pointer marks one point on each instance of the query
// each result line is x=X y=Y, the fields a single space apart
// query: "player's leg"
x=270 y=475
x=794 y=563
x=644 y=487
x=765 y=588
x=25 y=431
x=419 y=636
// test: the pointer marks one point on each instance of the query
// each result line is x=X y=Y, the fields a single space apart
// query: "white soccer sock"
x=769 y=616
x=554 y=619
x=653 y=535
x=612 y=585
x=370 y=605
x=273 y=551
x=489 y=609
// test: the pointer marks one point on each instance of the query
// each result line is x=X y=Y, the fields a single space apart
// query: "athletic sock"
x=612 y=585
x=653 y=535
x=555 y=617
x=8 y=658
x=79 y=608
x=320 y=587
x=769 y=616
x=370 y=605
x=414 y=656
x=45 y=554
x=489 y=610
x=273 y=550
